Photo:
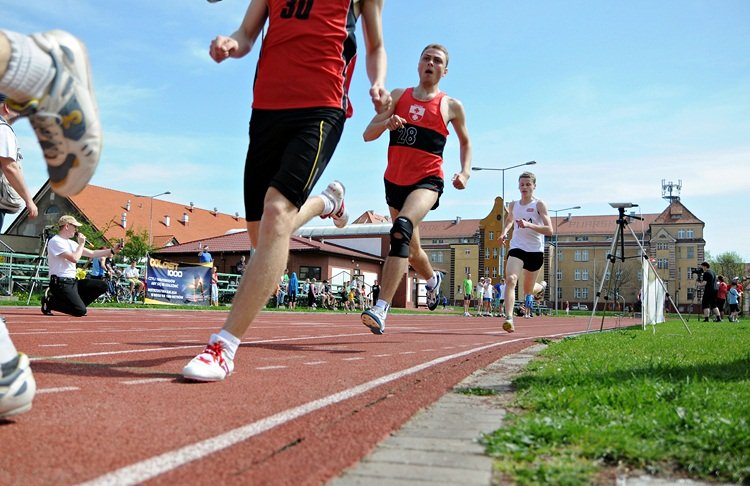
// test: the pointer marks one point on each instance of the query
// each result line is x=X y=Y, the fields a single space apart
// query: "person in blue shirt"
x=204 y=256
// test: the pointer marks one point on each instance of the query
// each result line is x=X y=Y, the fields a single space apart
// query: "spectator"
x=215 y=287
x=13 y=186
x=292 y=290
x=281 y=290
x=133 y=275
x=312 y=294
x=241 y=265
x=721 y=295
x=733 y=298
x=204 y=256
x=710 y=287
x=468 y=288
x=66 y=293
x=375 y=291
x=98 y=266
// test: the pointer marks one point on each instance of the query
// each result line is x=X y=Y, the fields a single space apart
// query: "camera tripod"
x=612 y=257
x=42 y=258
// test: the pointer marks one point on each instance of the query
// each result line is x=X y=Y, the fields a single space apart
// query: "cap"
x=68 y=219
x=736 y=279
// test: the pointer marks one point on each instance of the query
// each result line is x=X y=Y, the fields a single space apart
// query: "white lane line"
x=408 y=352
x=381 y=355
x=314 y=363
x=145 y=381
x=356 y=358
x=152 y=350
x=264 y=368
x=59 y=389
x=150 y=468
x=59 y=345
x=106 y=344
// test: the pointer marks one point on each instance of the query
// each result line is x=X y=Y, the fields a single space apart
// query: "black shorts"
x=395 y=195
x=532 y=260
x=709 y=300
x=288 y=150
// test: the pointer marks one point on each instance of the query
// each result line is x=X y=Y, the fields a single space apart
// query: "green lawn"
x=664 y=403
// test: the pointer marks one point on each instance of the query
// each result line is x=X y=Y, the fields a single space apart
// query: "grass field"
x=669 y=404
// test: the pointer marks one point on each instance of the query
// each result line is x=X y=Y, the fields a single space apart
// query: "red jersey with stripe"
x=416 y=150
x=307 y=55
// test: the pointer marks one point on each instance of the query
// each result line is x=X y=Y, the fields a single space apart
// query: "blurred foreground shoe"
x=17 y=389
x=335 y=193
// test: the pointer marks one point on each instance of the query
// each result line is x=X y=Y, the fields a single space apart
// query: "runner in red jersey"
x=299 y=107
x=414 y=177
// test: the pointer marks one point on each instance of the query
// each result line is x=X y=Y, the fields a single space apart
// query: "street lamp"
x=502 y=209
x=151 y=215
x=557 y=253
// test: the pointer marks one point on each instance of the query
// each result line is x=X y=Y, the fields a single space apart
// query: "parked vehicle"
x=579 y=306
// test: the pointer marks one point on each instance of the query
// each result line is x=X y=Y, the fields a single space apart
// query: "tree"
x=136 y=246
x=728 y=264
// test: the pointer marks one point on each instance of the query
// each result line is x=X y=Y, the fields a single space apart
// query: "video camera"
x=698 y=272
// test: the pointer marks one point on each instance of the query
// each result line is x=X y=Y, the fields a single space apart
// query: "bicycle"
x=118 y=290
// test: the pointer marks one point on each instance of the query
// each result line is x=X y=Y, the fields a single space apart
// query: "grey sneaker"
x=66 y=119
x=508 y=325
x=540 y=295
x=17 y=389
x=335 y=193
x=374 y=318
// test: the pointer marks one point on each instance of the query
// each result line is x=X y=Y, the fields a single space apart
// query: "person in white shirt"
x=133 y=275
x=65 y=293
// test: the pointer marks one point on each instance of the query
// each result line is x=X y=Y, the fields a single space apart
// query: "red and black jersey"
x=416 y=150
x=307 y=55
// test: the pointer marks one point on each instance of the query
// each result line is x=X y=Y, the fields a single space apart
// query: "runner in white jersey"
x=531 y=223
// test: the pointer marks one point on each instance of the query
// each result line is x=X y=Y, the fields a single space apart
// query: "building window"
x=681 y=234
x=690 y=252
x=486 y=253
x=494 y=253
x=52 y=210
x=467 y=252
x=582 y=238
x=559 y=275
x=690 y=293
x=578 y=275
x=309 y=272
x=559 y=293
x=662 y=246
x=492 y=235
x=467 y=270
x=581 y=293
x=662 y=263
x=584 y=274
x=436 y=257
x=582 y=255
x=690 y=233
x=560 y=254
x=494 y=272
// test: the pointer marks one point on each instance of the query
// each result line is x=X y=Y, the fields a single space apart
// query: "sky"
x=609 y=98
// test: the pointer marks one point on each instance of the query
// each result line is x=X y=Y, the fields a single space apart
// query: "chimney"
x=124 y=220
x=236 y=216
x=167 y=220
x=127 y=205
x=457 y=220
x=214 y=211
x=185 y=218
x=191 y=206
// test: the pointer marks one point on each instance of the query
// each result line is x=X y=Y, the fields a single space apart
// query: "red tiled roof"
x=588 y=225
x=451 y=228
x=676 y=211
x=239 y=242
x=370 y=217
x=104 y=208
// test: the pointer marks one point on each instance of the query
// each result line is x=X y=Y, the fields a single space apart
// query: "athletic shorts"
x=288 y=150
x=395 y=195
x=467 y=297
x=709 y=300
x=532 y=260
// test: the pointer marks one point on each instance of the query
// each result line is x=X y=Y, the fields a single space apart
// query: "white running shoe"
x=17 y=389
x=66 y=119
x=433 y=293
x=335 y=193
x=508 y=325
x=211 y=365
x=540 y=295
x=374 y=319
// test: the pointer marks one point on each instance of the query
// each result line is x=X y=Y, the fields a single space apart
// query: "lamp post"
x=151 y=214
x=502 y=209
x=557 y=253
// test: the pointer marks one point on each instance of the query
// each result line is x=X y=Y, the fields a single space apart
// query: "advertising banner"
x=178 y=283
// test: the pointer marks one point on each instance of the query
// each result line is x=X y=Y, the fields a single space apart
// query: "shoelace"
x=215 y=350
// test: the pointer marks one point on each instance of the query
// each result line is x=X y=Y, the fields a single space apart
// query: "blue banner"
x=178 y=283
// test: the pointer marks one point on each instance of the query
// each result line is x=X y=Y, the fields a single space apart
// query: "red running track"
x=311 y=393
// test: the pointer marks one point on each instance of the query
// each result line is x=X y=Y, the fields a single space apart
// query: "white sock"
x=7 y=349
x=231 y=343
x=30 y=69
x=432 y=281
x=328 y=204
